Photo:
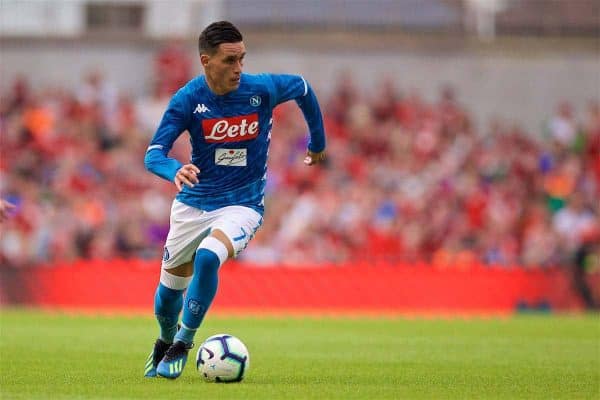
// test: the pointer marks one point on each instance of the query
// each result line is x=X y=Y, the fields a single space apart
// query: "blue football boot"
x=160 y=348
x=171 y=366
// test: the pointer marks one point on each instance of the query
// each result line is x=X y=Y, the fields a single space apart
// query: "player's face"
x=224 y=68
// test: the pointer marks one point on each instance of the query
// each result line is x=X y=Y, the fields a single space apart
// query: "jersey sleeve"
x=174 y=122
x=288 y=87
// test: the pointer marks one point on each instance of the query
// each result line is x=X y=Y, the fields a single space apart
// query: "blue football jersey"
x=230 y=137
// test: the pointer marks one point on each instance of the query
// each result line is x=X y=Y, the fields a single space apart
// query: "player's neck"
x=216 y=89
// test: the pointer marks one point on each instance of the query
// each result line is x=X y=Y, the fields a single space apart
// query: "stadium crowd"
x=406 y=181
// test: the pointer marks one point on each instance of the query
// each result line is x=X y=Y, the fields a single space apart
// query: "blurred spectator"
x=407 y=181
x=573 y=222
x=98 y=98
x=562 y=125
x=172 y=69
x=5 y=209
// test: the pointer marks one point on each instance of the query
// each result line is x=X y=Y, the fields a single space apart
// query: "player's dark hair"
x=215 y=34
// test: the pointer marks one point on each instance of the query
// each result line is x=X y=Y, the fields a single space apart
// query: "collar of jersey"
x=215 y=96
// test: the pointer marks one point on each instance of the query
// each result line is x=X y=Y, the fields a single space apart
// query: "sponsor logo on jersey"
x=231 y=157
x=201 y=108
x=232 y=129
x=255 y=100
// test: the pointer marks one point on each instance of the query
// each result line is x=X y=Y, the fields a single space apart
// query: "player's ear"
x=204 y=58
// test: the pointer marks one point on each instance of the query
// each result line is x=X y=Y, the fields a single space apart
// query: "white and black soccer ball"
x=222 y=358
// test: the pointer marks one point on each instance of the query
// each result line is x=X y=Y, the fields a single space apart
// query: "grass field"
x=58 y=356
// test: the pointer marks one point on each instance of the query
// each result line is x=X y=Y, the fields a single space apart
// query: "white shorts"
x=189 y=226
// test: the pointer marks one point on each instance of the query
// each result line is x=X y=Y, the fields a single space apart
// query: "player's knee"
x=183 y=270
x=216 y=246
x=175 y=282
x=221 y=237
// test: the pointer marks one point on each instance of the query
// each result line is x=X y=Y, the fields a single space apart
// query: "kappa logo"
x=201 y=108
x=255 y=101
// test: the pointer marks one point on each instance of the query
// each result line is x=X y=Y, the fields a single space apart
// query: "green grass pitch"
x=58 y=356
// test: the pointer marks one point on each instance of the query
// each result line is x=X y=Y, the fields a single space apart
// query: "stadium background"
x=463 y=142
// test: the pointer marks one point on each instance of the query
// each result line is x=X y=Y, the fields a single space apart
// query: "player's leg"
x=185 y=234
x=231 y=232
x=168 y=301
x=211 y=254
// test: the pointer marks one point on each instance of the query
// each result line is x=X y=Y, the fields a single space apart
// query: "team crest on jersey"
x=166 y=255
x=255 y=101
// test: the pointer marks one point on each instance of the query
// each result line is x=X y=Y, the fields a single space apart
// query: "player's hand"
x=313 y=158
x=187 y=175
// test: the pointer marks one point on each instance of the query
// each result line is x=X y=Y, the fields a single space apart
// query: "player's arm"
x=288 y=87
x=157 y=161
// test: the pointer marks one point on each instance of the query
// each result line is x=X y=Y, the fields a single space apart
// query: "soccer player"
x=220 y=203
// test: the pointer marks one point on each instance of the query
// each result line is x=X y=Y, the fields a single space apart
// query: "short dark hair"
x=215 y=34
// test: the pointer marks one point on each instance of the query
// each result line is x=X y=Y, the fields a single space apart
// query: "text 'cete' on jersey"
x=232 y=129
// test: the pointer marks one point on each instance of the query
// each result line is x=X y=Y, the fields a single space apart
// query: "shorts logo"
x=195 y=307
x=166 y=255
x=255 y=101
x=241 y=237
x=231 y=129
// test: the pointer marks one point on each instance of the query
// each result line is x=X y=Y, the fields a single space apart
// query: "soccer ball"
x=222 y=358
